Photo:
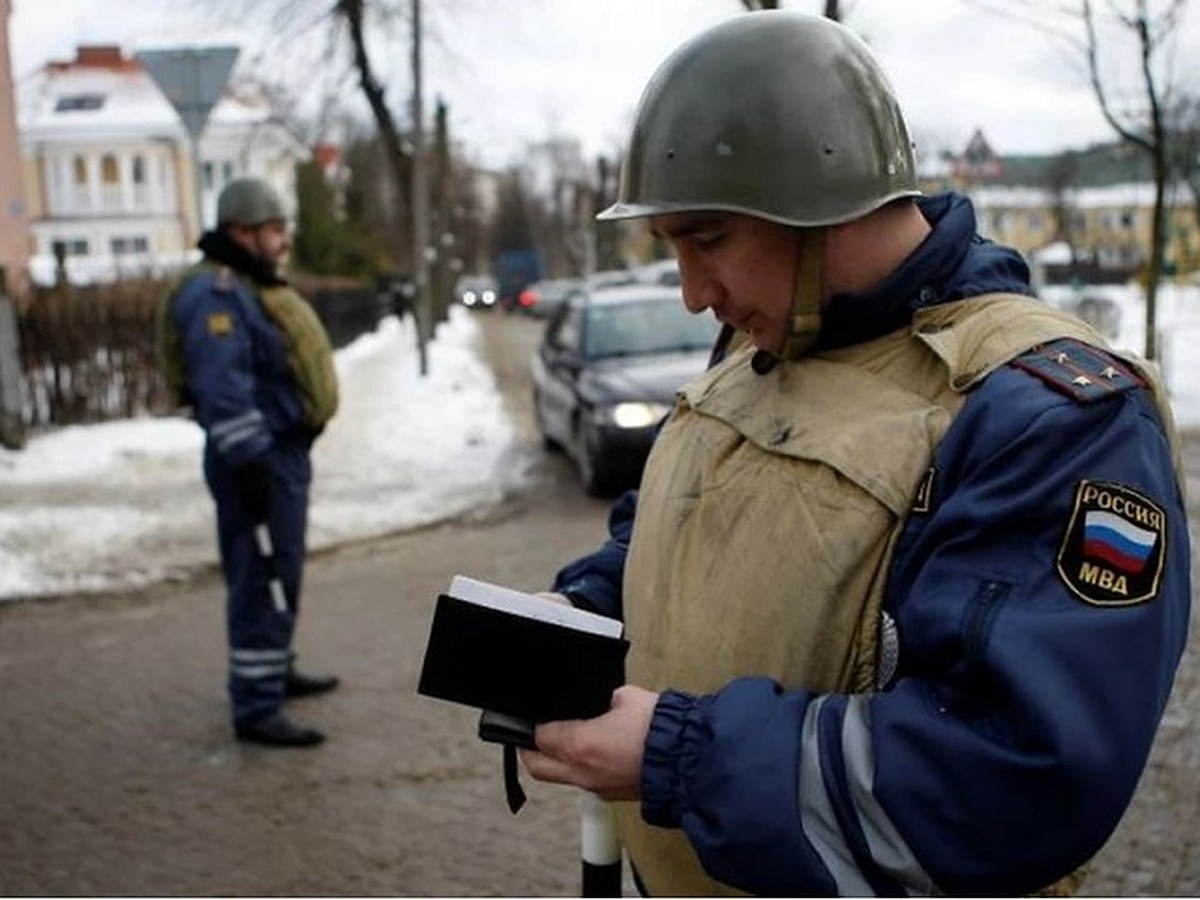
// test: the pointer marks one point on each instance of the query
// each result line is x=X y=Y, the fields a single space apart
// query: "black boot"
x=277 y=730
x=298 y=685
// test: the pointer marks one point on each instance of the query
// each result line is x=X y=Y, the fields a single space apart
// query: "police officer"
x=252 y=359
x=906 y=581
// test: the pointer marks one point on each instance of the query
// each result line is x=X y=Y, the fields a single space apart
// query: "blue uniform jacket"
x=1009 y=741
x=244 y=395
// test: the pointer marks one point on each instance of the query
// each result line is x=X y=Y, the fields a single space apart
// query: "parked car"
x=606 y=373
x=662 y=271
x=476 y=291
x=611 y=278
x=542 y=298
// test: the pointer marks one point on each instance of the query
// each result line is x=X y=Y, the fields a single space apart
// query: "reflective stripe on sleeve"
x=231 y=432
x=889 y=850
x=892 y=865
x=817 y=817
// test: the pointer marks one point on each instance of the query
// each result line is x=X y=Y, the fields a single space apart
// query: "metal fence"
x=88 y=353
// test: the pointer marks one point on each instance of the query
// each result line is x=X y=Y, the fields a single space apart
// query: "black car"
x=606 y=373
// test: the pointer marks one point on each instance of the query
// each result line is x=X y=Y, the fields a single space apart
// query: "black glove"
x=254 y=489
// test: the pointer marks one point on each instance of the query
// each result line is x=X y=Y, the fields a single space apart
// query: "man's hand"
x=254 y=489
x=602 y=755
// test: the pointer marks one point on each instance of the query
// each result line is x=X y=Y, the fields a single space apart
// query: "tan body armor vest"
x=769 y=509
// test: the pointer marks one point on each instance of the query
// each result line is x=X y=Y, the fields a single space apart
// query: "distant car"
x=606 y=374
x=611 y=278
x=477 y=291
x=542 y=298
x=662 y=271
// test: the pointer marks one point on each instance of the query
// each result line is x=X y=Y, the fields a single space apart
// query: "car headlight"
x=489 y=297
x=468 y=298
x=632 y=414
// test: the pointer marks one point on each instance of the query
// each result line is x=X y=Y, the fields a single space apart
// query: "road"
x=119 y=777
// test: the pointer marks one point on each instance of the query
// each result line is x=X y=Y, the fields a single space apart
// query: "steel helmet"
x=781 y=115
x=249 y=201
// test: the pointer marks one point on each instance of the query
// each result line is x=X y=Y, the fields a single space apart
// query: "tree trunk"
x=399 y=162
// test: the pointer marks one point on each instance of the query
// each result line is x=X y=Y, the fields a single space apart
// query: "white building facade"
x=108 y=168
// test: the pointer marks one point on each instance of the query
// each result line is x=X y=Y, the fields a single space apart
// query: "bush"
x=88 y=353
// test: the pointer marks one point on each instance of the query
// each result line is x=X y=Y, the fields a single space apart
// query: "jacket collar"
x=952 y=263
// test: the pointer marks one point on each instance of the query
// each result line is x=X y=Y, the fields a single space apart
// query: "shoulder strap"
x=1079 y=370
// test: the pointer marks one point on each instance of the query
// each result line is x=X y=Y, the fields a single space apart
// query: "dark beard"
x=218 y=246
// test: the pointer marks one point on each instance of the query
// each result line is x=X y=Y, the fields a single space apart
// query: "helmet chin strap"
x=806 y=306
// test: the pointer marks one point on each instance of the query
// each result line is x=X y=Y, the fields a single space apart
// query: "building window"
x=108 y=169
x=79 y=168
x=70 y=246
x=226 y=172
x=1128 y=219
x=139 y=170
x=208 y=176
x=123 y=245
x=78 y=102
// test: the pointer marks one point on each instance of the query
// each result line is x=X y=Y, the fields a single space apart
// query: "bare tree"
x=399 y=161
x=1061 y=176
x=347 y=20
x=1147 y=130
x=1141 y=121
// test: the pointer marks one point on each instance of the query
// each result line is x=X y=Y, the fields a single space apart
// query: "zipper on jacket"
x=980 y=694
x=984 y=605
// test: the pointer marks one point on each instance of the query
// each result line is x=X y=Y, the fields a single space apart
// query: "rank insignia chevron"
x=1078 y=370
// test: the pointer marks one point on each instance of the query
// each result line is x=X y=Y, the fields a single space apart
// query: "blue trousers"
x=259 y=634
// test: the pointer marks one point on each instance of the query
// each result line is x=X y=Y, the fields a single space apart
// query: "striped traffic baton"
x=601 y=850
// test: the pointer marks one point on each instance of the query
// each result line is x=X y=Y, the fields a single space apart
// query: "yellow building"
x=1098 y=202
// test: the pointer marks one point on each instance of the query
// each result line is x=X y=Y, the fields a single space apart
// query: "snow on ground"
x=124 y=503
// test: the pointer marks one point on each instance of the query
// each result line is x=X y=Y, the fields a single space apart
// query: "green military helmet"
x=781 y=115
x=249 y=201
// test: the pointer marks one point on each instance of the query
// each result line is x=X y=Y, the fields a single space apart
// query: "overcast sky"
x=518 y=70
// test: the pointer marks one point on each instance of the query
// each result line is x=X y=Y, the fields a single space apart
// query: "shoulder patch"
x=1113 y=549
x=1078 y=370
x=220 y=324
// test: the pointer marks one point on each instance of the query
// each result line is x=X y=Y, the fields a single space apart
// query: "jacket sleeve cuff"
x=661 y=790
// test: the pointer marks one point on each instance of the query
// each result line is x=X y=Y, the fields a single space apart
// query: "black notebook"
x=521 y=655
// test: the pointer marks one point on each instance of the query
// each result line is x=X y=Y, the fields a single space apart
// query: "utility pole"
x=443 y=234
x=420 y=201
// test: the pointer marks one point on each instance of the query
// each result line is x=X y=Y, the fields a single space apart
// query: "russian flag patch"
x=1112 y=552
